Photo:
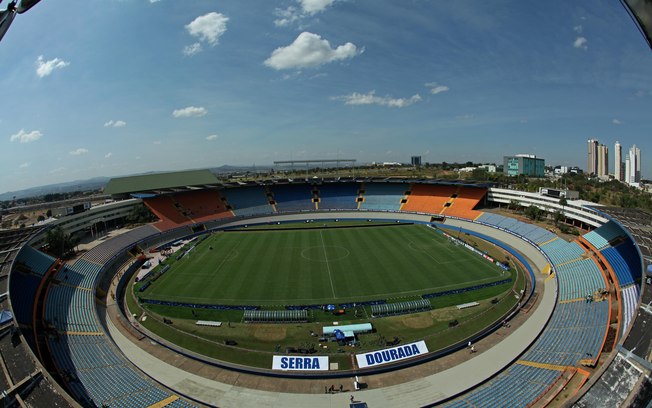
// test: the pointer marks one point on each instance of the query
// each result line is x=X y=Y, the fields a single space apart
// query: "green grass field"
x=321 y=265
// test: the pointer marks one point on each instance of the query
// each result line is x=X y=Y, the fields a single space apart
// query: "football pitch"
x=321 y=265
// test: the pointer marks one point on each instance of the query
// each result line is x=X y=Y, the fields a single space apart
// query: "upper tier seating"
x=338 y=196
x=23 y=287
x=291 y=198
x=248 y=201
x=36 y=261
x=428 y=198
x=601 y=236
x=383 y=196
x=625 y=272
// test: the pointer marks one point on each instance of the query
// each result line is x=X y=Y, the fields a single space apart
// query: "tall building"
x=618 y=161
x=633 y=166
x=416 y=161
x=592 y=167
x=603 y=161
x=527 y=164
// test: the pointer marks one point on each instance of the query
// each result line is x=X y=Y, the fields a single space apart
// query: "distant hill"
x=77 y=185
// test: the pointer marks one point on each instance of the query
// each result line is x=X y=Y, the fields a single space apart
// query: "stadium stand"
x=338 y=196
x=578 y=279
x=630 y=296
x=428 y=198
x=575 y=332
x=188 y=207
x=560 y=251
x=464 y=202
x=515 y=387
x=291 y=198
x=71 y=309
x=201 y=205
x=23 y=288
x=382 y=196
x=600 y=237
x=164 y=208
x=95 y=370
x=99 y=375
x=248 y=201
x=620 y=266
x=36 y=261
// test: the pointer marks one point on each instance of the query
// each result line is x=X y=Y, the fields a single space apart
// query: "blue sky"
x=113 y=87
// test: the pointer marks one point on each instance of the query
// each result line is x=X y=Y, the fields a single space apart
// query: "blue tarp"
x=5 y=316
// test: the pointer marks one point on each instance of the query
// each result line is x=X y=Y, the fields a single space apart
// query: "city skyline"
x=164 y=86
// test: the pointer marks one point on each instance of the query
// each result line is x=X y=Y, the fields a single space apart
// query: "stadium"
x=575 y=335
x=279 y=289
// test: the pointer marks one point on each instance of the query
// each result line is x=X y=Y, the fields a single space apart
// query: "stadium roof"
x=160 y=181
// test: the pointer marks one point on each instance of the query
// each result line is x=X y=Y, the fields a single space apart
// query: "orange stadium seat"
x=187 y=208
x=428 y=198
x=467 y=198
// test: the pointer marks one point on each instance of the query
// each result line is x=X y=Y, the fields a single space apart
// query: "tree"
x=48 y=213
x=533 y=212
x=514 y=204
x=140 y=214
x=60 y=243
x=41 y=218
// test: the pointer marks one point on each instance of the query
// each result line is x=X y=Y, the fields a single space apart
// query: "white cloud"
x=286 y=16
x=57 y=170
x=79 y=151
x=108 y=155
x=435 y=88
x=309 y=50
x=616 y=122
x=370 y=98
x=115 y=123
x=26 y=137
x=25 y=165
x=315 y=6
x=192 y=49
x=156 y=142
x=189 y=112
x=306 y=8
x=211 y=137
x=45 y=68
x=578 y=29
x=580 y=42
x=208 y=27
x=154 y=1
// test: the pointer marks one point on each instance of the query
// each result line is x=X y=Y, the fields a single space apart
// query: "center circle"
x=328 y=253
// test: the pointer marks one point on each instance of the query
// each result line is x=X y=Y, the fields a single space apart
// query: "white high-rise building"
x=618 y=159
x=633 y=166
x=603 y=161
